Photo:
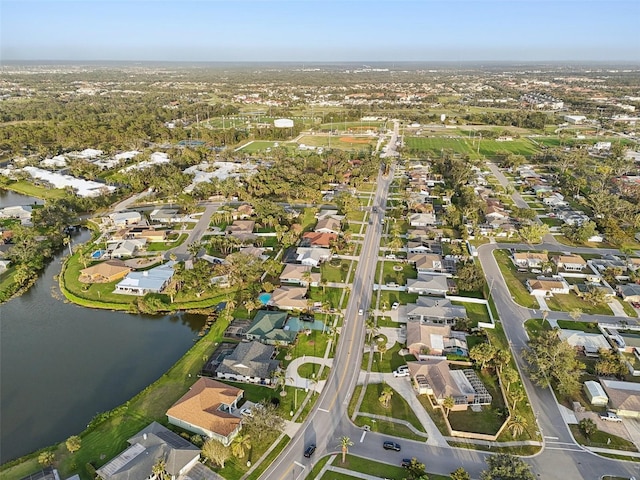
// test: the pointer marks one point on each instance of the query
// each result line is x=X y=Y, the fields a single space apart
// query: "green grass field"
x=463 y=146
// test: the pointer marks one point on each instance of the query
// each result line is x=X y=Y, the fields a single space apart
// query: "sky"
x=320 y=30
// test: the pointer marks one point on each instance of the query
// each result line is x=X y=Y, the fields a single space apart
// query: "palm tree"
x=382 y=348
x=386 y=395
x=517 y=425
x=448 y=403
x=372 y=329
x=517 y=396
x=345 y=443
x=240 y=445
x=159 y=468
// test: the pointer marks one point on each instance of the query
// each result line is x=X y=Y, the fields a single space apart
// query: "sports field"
x=341 y=142
x=459 y=145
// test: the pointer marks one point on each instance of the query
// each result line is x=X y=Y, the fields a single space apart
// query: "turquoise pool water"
x=264 y=298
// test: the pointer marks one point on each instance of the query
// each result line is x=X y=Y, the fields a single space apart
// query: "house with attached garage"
x=624 y=397
x=251 y=362
x=428 y=284
x=530 y=259
x=570 y=263
x=434 y=310
x=302 y=275
x=548 y=286
x=146 y=448
x=208 y=409
x=270 y=327
x=630 y=292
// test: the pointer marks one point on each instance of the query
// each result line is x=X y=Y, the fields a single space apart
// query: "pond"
x=61 y=364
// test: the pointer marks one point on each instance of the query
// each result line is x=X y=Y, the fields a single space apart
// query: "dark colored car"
x=405 y=462
x=309 y=450
x=391 y=446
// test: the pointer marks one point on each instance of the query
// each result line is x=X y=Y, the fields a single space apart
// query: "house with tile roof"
x=428 y=340
x=570 y=263
x=530 y=259
x=146 y=447
x=317 y=239
x=548 y=286
x=206 y=410
x=270 y=327
x=104 y=272
x=289 y=298
x=328 y=225
x=433 y=377
x=251 y=362
x=242 y=230
x=299 y=275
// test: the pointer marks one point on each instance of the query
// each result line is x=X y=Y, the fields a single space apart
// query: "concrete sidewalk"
x=294 y=380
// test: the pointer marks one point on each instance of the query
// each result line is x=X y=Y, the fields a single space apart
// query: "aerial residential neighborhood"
x=285 y=269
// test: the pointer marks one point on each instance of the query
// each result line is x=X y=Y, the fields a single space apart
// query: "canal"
x=60 y=364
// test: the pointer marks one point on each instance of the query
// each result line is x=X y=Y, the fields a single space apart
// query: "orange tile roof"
x=200 y=406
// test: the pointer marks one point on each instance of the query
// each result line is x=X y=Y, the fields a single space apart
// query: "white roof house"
x=84 y=188
x=595 y=393
x=122 y=219
x=590 y=342
x=148 y=281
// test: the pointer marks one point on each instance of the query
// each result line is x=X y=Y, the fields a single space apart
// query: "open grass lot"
x=514 y=280
x=357 y=215
x=521 y=146
x=336 y=270
x=390 y=297
x=389 y=275
x=398 y=407
x=330 y=294
x=259 y=145
x=338 y=141
x=570 y=301
x=434 y=145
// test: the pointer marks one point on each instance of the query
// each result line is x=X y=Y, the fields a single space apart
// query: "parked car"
x=246 y=412
x=610 y=417
x=395 y=306
x=360 y=312
x=391 y=446
x=390 y=256
x=402 y=371
x=405 y=462
x=309 y=450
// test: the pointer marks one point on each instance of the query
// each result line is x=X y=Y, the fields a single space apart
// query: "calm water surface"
x=60 y=364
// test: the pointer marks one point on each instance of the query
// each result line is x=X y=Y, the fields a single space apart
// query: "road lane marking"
x=299 y=464
x=363 y=435
x=552 y=438
x=323 y=410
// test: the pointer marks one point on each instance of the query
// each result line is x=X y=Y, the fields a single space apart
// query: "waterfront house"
x=148 y=281
x=104 y=272
x=251 y=362
x=270 y=327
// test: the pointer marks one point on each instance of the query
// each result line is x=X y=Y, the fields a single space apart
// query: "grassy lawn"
x=389 y=275
x=332 y=273
x=382 y=470
x=308 y=218
x=588 y=327
x=600 y=438
x=27 y=188
x=313 y=345
x=552 y=222
x=329 y=475
x=6 y=283
x=401 y=297
x=331 y=295
x=391 y=360
x=436 y=414
x=163 y=246
x=398 y=407
x=310 y=370
x=357 y=215
x=566 y=303
x=477 y=312
x=265 y=464
x=515 y=280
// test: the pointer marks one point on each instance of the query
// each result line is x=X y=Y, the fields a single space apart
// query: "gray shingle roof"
x=251 y=359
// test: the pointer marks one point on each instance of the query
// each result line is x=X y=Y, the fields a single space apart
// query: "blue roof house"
x=148 y=281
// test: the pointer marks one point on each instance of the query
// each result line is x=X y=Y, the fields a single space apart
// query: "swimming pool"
x=264 y=298
x=97 y=254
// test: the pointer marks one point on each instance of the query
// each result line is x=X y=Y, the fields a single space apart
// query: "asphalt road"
x=328 y=420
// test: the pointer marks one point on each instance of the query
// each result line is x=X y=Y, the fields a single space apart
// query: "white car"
x=610 y=417
x=390 y=256
x=360 y=312
x=246 y=412
x=395 y=306
x=401 y=372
